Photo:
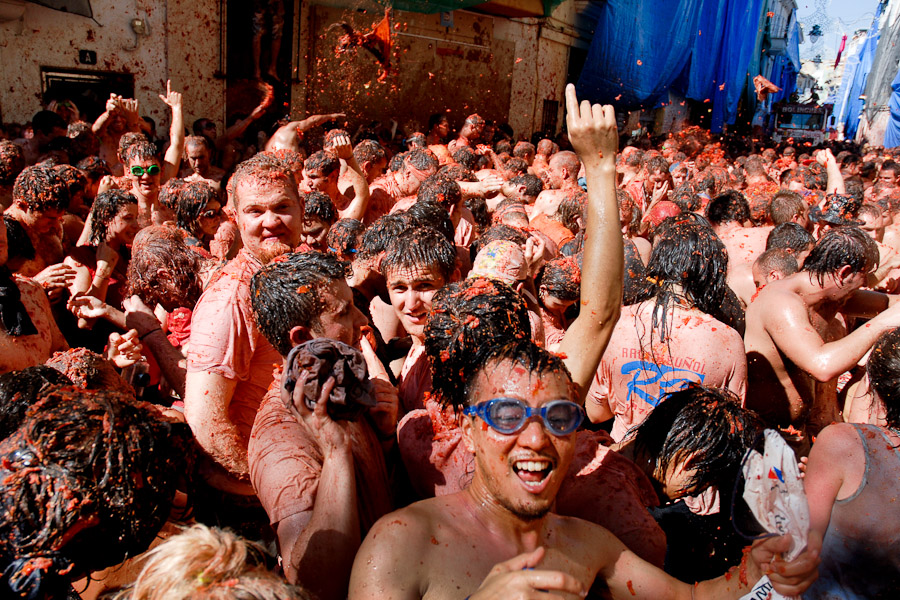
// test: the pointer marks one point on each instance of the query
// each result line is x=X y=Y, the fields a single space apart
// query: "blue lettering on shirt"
x=646 y=376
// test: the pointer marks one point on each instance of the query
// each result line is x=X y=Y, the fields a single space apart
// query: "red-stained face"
x=198 y=158
x=340 y=319
x=269 y=217
x=411 y=292
x=146 y=184
x=210 y=218
x=318 y=181
x=521 y=472
x=124 y=225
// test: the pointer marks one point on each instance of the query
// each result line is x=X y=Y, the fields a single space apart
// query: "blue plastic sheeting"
x=738 y=47
x=639 y=48
x=853 y=104
x=892 y=133
x=793 y=44
x=785 y=77
x=701 y=72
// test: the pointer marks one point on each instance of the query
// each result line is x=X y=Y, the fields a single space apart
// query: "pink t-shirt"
x=225 y=341
x=415 y=380
x=286 y=464
x=634 y=374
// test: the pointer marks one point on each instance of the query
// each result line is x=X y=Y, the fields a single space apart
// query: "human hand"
x=592 y=130
x=87 y=307
x=172 y=99
x=113 y=103
x=387 y=401
x=124 y=350
x=535 y=247
x=491 y=184
x=789 y=578
x=341 y=147
x=130 y=107
x=139 y=316
x=660 y=190
x=332 y=435
x=265 y=103
x=55 y=278
x=516 y=579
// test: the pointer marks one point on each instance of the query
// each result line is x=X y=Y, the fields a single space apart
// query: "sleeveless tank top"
x=861 y=551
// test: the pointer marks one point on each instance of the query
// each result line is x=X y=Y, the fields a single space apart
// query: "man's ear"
x=774 y=275
x=845 y=273
x=299 y=334
x=465 y=423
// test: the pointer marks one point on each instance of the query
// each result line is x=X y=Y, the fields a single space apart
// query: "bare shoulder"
x=838 y=439
x=594 y=543
x=778 y=297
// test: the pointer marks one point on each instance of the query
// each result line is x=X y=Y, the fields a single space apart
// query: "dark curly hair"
x=106 y=206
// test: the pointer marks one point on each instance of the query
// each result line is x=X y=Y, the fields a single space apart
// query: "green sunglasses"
x=137 y=171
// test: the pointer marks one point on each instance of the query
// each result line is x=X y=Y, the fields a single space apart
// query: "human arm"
x=342 y=148
x=176 y=134
x=837 y=451
x=487 y=186
x=835 y=183
x=90 y=308
x=140 y=317
x=789 y=327
x=288 y=136
x=207 y=396
x=325 y=541
x=111 y=106
x=238 y=129
x=593 y=134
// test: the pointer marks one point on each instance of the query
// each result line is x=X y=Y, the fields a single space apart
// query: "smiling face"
x=124 y=225
x=146 y=184
x=411 y=291
x=521 y=472
x=269 y=216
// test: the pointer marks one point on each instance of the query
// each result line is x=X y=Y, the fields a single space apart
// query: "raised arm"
x=593 y=134
x=287 y=137
x=344 y=151
x=835 y=179
x=111 y=106
x=176 y=134
x=238 y=129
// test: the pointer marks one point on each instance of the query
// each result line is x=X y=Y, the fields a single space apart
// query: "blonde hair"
x=205 y=563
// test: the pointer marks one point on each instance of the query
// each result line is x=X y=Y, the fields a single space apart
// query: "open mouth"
x=533 y=473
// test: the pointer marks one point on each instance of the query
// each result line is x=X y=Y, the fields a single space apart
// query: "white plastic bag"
x=774 y=492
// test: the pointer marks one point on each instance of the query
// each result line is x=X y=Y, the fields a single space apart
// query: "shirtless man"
x=197 y=151
x=12 y=161
x=545 y=149
x=797 y=345
x=498 y=538
x=562 y=174
x=388 y=189
x=304 y=464
x=469 y=135
x=322 y=170
x=40 y=198
x=28 y=333
x=728 y=213
x=121 y=116
x=230 y=363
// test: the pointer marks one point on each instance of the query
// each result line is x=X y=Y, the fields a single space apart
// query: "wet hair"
x=416 y=140
x=692 y=256
x=421 y=159
x=332 y=134
x=17 y=241
x=467 y=319
x=523 y=149
x=45 y=121
x=525 y=353
x=466 y=157
x=158 y=247
x=74 y=180
x=790 y=236
x=533 y=184
x=264 y=168
x=319 y=205
x=478 y=207
x=842 y=246
x=105 y=208
x=90 y=477
x=686 y=197
x=41 y=189
x=344 y=236
x=396 y=162
x=368 y=150
x=197 y=140
x=192 y=201
x=785 y=206
x=441 y=190
x=777 y=259
x=420 y=248
x=656 y=164
x=21 y=389
x=88 y=370
x=706 y=428
x=727 y=207
x=287 y=292
x=633 y=159
x=570 y=209
x=431 y=214
x=562 y=278
x=883 y=368
x=12 y=161
x=169 y=193
x=499 y=232
x=323 y=162
x=139 y=150
x=94 y=167
x=517 y=167
x=378 y=236
x=207 y=563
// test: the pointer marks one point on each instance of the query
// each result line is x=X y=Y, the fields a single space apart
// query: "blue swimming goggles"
x=510 y=415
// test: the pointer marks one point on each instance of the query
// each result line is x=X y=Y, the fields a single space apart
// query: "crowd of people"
x=324 y=363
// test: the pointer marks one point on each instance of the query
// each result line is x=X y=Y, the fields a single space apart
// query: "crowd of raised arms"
x=356 y=361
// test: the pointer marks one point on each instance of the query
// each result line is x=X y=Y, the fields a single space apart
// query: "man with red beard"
x=229 y=362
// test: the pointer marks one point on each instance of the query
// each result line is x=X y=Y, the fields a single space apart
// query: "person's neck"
x=814 y=294
x=499 y=521
x=728 y=227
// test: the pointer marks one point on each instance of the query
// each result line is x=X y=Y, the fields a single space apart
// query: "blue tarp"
x=639 y=48
x=701 y=48
x=892 y=133
x=852 y=103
